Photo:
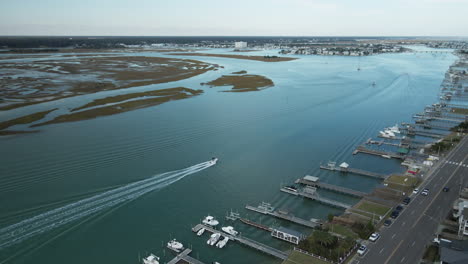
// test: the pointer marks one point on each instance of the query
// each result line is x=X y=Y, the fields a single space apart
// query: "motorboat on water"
x=393 y=129
x=291 y=188
x=386 y=156
x=210 y=220
x=200 y=232
x=229 y=230
x=387 y=134
x=213 y=161
x=175 y=245
x=222 y=243
x=151 y=259
x=213 y=239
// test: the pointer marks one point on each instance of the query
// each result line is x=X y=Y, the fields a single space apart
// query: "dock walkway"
x=378 y=153
x=246 y=241
x=286 y=216
x=184 y=255
x=317 y=198
x=331 y=187
x=356 y=171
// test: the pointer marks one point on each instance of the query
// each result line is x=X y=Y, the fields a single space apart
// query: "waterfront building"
x=240 y=45
x=289 y=235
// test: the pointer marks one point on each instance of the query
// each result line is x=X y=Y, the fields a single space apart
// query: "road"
x=406 y=239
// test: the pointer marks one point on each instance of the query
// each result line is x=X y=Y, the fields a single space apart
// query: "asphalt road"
x=406 y=239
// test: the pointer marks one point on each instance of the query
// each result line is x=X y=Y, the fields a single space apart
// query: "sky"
x=235 y=17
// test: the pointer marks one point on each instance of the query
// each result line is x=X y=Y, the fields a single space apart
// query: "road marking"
x=393 y=252
x=380 y=252
x=393 y=236
x=402 y=260
x=413 y=243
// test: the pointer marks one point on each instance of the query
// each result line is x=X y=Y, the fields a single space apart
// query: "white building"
x=240 y=45
x=460 y=211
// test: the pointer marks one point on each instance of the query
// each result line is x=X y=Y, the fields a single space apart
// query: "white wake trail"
x=52 y=219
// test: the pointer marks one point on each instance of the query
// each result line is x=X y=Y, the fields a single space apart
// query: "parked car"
x=425 y=192
x=407 y=200
x=362 y=250
x=416 y=191
x=395 y=214
x=387 y=222
x=374 y=237
x=399 y=208
x=446 y=189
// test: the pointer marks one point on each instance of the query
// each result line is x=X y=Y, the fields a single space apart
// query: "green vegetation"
x=119 y=108
x=23 y=120
x=441 y=146
x=342 y=230
x=242 y=57
x=124 y=97
x=242 y=83
x=363 y=230
x=461 y=111
x=373 y=208
x=398 y=182
x=432 y=254
x=324 y=244
x=297 y=257
x=462 y=127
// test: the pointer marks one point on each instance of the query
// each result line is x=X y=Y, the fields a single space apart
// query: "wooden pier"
x=257 y=225
x=285 y=216
x=306 y=193
x=365 y=150
x=184 y=256
x=331 y=187
x=247 y=242
x=355 y=171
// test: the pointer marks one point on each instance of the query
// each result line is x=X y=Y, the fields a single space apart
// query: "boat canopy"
x=311 y=178
x=344 y=165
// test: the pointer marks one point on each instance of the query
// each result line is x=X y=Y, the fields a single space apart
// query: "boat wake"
x=52 y=219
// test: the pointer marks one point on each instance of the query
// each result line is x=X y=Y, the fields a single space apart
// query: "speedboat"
x=175 y=245
x=200 y=232
x=213 y=161
x=151 y=259
x=213 y=239
x=222 y=243
x=230 y=230
x=393 y=129
x=210 y=220
x=291 y=188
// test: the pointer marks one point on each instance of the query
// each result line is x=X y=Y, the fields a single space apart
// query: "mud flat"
x=167 y=95
x=242 y=57
x=27 y=119
x=242 y=83
x=26 y=83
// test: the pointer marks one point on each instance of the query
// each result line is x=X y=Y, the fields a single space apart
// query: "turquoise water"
x=320 y=109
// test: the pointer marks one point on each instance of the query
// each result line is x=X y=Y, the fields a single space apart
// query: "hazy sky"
x=235 y=17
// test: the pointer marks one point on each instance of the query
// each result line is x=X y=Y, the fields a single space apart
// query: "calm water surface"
x=320 y=109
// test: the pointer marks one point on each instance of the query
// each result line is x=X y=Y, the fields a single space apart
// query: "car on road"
x=374 y=237
x=399 y=208
x=407 y=200
x=387 y=222
x=416 y=191
x=362 y=250
x=446 y=189
x=395 y=214
x=425 y=192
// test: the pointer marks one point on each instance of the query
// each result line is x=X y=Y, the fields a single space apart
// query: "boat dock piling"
x=254 y=224
x=184 y=256
x=331 y=166
x=247 y=242
x=331 y=187
x=268 y=210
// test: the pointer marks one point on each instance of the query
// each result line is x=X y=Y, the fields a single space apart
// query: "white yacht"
x=200 y=232
x=213 y=239
x=151 y=259
x=230 y=230
x=222 y=243
x=393 y=129
x=175 y=245
x=210 y=220
x=213 y=161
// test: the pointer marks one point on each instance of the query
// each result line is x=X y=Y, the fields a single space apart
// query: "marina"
x=311 y=193
x=267 y=209
x=184 y=256
x=332 y=167
x=247 y=242
x=384 y=154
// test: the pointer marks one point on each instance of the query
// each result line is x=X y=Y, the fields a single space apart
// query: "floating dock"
x=307 y=193
x=331 y=166
x=184 y=256
x=331 y=187
x=268 y=210
x=362 y=149
x=257 y=225
x=246 y=241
